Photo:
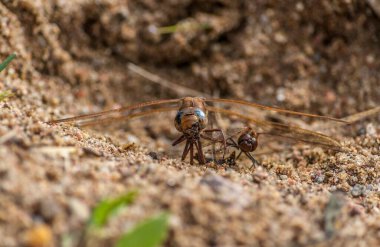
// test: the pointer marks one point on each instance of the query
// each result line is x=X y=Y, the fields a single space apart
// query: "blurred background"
x=315 y=56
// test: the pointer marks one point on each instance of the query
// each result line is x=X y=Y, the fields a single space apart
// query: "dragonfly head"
x=191 y=117
x=190 y=120
x=248 y=141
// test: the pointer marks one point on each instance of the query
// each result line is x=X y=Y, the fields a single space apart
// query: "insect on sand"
x=246 y=143
x=247 y=140
x=192 y=118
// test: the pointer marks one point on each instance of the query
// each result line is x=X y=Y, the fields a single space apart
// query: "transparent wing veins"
x=246 y=103
x=120 y=112
x=283 y=130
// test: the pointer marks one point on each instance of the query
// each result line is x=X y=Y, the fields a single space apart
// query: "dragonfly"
x=245 y=139
x=192 y=118
x=246 y=143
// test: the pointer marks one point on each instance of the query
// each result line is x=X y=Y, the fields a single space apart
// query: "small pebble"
x=38 y=236
x=79 y=209
x=48 y=208
x=358 y=190
x=320 y=178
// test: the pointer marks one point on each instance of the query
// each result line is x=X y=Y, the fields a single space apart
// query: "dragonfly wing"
x=124 y=117
x=235 y=132
x=362 y=115
x=126 y=112
x=269 y=108
x=283 y=130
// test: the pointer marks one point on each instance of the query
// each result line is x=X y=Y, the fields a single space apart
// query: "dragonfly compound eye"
x=178 y=120
x=200 y=114
x=201 y=117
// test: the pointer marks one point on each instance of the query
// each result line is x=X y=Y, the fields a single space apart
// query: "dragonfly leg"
x=186 y=150
x=212 y=130
x=179 y=140
x=230 y=142
x=216 y=140
x=231 y=160
x=208 y=138
x=237 y=157
x=213 y=140
x=201 y=157
x=254 y=161
x=191 y=153
x=224 y=144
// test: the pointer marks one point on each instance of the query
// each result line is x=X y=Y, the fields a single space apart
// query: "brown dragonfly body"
x=191 y=120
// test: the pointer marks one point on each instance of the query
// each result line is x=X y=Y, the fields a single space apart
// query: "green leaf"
x=150 y=233
x=168 y=29
x=105 y=209
x=7 y=61
x=5 y=95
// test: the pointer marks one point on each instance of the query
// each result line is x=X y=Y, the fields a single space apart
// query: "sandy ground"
x=320 y=57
